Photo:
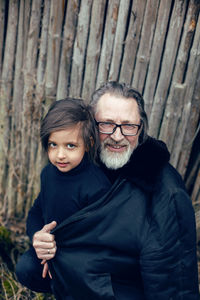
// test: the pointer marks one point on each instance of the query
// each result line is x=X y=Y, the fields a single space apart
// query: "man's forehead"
x=117 y=107
x=108 y=98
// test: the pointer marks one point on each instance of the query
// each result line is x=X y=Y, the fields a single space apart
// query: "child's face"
x=66 y=148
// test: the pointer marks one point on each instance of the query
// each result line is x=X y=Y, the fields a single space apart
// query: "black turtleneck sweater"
x=63 y=194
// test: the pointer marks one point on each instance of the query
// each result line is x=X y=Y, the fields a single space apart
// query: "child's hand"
x=45 y=269
x=44 y=242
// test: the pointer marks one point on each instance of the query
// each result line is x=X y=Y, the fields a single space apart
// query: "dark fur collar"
x=145 y=164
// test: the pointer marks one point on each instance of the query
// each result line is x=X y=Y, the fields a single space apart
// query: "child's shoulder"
x=97 y=173
x=46 y=170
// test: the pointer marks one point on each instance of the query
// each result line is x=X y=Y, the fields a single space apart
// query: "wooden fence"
x=50 y=49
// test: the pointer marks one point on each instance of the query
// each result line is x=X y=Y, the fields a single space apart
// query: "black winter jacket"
x=137 y=242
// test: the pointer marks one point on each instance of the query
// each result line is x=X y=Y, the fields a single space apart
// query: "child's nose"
x=61 y=153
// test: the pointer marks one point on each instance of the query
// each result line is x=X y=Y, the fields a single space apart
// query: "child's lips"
x=62 y=165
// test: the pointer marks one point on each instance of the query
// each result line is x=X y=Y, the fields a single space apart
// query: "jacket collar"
x=145 y=164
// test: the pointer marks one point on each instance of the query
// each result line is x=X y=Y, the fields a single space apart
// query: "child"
x=68 y=183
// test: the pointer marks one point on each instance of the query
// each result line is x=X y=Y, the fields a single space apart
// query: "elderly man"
x=138 y=241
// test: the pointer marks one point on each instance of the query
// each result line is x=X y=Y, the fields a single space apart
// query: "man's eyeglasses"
x=110 y=128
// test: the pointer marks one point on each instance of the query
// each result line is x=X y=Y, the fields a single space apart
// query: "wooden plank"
x=2 y=20
x=108 y=41
x=18 y=86
x=42 y=60
x=178 y=76
x=119 y=40
x=132 y=40
x=192 y=127
x=5 y=101
x=180 y=135
x=28 y=105
x=169 y=56
x=156 y=54
x=53 y=51
x=39 y=110
x=192 y=179
x=35 y=105
x=197 y=217
x=67 y=48
x=196 y=191
x=80 y=46
x=190 y=132
x=192 y=77
x=172 y=116
x=186 y=41
x=94 y=47
x=145 y=45
x=14 y=181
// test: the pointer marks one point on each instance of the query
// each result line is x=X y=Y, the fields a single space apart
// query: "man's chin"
x=115 y=160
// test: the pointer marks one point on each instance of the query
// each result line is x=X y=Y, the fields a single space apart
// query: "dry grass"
x=13 y=242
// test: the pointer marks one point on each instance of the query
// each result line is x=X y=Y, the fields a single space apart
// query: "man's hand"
x=44 y=242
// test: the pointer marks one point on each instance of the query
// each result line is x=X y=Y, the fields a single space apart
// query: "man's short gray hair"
x=124 y=90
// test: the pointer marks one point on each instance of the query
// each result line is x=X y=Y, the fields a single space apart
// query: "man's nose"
x=117 y=135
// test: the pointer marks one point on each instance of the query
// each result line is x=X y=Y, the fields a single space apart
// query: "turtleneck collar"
x=75 y=170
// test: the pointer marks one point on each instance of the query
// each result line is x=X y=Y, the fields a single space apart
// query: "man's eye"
x=129 y=126
x=71 y=146
x=51 y=145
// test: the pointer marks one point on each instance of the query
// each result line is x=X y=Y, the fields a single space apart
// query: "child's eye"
x=71 y=146
x=51 y=145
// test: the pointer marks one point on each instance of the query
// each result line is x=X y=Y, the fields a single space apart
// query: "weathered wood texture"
x=52 y=49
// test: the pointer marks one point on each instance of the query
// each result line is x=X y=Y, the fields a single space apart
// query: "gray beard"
x=113 y=160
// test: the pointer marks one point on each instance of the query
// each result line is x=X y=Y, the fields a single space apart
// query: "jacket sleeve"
x=35 y=220
x=168 y=257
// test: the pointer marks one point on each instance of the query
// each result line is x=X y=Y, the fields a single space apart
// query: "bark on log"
x=42 y=60
x=132 y=40
x=144 y=51
x=156 y=54
x=53 y=51
x=93 y=50
x=186 y=41
x=194 y=179
x=196 y=190
x=178 y=77
x=119 y=40
x=15 y=158
x=40 y=108
x=5 y=101
x=172 y=116
x=108 y=41
x=172 y=42
x=184 y=131
x=80 y=45
x=27 y=162
x=2 y=20
x=67 y=49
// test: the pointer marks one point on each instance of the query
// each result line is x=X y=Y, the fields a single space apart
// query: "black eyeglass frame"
x=120 y=126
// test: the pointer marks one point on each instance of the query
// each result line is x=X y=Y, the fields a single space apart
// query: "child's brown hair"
x=68 y=112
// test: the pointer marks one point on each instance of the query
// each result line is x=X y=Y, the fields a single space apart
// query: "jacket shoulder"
x=169 y=180
x=171 y=208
